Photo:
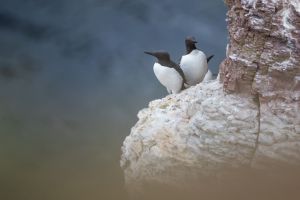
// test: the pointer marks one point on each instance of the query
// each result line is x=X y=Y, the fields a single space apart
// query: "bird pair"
x=192 y=69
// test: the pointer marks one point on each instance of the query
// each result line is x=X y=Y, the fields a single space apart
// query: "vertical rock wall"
x=263 y=59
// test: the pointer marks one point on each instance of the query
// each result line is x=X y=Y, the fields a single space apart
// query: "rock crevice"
x=258 y=130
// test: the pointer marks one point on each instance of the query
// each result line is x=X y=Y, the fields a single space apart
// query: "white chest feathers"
x=168 y=77
x=194 y=66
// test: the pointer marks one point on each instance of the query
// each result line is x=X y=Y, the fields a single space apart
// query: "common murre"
x=209 y=75
x=168 y=72
x=194 y=63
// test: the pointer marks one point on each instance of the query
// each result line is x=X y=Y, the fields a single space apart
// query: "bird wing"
x=179 y=70
x=210 y=57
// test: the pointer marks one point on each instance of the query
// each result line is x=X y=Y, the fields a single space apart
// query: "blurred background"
x=73 y=76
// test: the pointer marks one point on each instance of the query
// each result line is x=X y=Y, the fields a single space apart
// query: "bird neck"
x=190 y=48
x=164 y=62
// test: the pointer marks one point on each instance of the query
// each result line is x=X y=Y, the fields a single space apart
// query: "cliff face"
x=249 y=117
x=190 y=135
x=263 y=54
x=263 y=59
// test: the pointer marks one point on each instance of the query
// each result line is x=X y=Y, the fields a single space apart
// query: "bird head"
x=190 y=40
x=160 y=55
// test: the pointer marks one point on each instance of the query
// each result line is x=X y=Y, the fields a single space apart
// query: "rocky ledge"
x=248 y=118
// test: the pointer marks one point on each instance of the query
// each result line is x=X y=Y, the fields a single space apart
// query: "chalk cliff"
x=248 y=117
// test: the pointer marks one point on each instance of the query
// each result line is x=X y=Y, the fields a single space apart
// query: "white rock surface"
x=190 y=135
x=183 y=138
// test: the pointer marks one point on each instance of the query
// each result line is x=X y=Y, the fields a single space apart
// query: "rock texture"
x=263 y=59
x=191 y=134
x=248 y=117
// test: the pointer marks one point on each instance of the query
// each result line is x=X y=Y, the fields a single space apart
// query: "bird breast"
x=194 y=66
x=168 y=77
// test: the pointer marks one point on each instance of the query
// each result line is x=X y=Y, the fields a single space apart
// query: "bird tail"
x=185 y=86
x=210 y=57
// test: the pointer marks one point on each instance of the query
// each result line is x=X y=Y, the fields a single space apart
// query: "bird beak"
x=149 y=53
x=194 y=40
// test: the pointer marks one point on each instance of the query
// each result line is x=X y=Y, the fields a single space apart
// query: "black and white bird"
x=168 y=73
x=194 y=63
x=209 y=75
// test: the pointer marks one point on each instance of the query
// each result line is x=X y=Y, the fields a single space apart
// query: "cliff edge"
x=249 y=117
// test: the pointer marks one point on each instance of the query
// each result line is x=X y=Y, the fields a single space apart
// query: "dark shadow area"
x=11 y=23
